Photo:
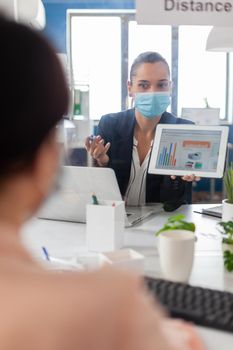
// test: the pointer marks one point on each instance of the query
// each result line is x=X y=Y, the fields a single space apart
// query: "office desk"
x=68 y=239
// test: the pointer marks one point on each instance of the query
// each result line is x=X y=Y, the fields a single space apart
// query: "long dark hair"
x=33 y=94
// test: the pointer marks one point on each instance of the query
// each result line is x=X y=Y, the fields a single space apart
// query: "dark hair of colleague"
x=146 y=57
x=35 y=95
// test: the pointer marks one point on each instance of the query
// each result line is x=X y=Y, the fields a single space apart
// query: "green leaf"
x=227 y=240
x=226 y=228
x=228 y=182
x=228 y=260
x=190 y=226
x=177 y=217
x=176 y=222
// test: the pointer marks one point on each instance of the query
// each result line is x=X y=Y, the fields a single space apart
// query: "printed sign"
x=178 y=12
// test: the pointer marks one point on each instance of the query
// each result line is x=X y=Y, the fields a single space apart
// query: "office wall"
x=55 y=28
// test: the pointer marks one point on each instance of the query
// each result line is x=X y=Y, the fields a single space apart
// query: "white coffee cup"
x=176 y=252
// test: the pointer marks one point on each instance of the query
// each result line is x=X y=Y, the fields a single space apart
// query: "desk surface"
x=68 y=239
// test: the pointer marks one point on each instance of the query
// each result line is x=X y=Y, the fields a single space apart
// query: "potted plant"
x=226 y=228
x=227 y=204
x=176 y=248
x=177 y=222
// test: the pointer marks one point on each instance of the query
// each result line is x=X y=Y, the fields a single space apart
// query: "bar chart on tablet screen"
x=196 y=152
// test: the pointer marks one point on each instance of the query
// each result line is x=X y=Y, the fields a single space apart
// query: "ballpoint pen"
x=91 y=138
x=46 y=254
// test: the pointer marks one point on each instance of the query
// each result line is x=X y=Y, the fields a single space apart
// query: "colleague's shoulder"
x=81 y=312
x=184 y=121
x=169 y=118
x=111 y=286
x=114 y=118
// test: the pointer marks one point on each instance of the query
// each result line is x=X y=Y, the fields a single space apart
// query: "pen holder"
x=105 y=224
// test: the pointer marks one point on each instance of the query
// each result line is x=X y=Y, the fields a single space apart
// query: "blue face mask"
x=152 y=104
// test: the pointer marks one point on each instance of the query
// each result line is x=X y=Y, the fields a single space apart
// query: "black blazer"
x=118 y=129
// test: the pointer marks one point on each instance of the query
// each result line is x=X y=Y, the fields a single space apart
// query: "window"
x=96 y=57
x=104 y=43
x=96 y=61
x=230 y=105
x=202 y=74
x=149 y=38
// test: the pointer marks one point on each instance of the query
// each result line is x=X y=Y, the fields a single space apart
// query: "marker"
x=94 y=199
x=91 y=138
x=46 y=253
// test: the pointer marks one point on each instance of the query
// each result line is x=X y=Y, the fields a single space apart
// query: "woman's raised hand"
x=97 y=149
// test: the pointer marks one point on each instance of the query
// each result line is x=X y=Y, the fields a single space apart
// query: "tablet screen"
x=181 y=150
x=198 y=151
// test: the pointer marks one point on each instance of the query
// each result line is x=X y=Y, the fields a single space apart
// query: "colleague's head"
x=34 y=97
x=150 y=75
x=148 y=57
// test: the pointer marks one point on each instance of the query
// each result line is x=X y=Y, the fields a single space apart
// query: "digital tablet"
x=189 y=149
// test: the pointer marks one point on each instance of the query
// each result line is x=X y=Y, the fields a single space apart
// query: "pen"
x=91 y=138
x=94 y=199
x=46 y=253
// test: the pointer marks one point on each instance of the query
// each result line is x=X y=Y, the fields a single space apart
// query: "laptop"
x=76 y=185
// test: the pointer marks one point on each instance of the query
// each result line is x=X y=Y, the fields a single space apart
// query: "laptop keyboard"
x=135 y=215
x=202 y=306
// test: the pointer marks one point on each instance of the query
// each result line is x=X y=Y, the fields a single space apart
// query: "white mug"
x=176 y=252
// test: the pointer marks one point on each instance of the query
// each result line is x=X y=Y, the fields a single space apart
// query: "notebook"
x=215 y=211
x=76 y=186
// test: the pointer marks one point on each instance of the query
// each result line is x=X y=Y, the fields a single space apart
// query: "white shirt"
x=136 y=190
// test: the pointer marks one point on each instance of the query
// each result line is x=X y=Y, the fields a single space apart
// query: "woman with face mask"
x=124 y=139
